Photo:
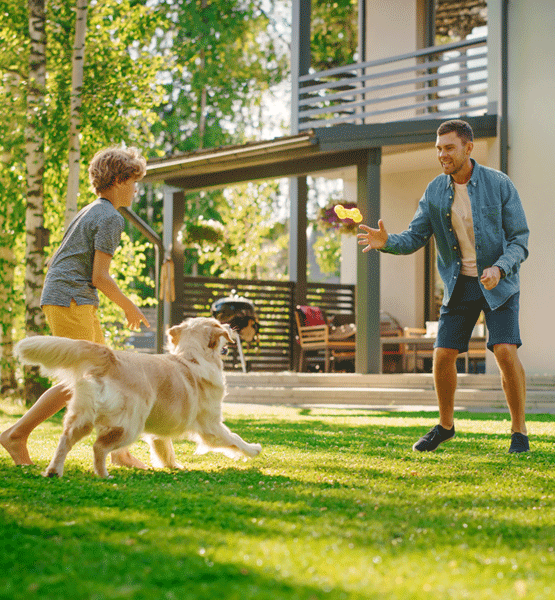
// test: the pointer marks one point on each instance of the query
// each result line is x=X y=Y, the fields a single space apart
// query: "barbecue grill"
x=240 y=315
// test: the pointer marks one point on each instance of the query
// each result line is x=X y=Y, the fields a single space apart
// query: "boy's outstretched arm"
x=374 y=239
x=102 y=280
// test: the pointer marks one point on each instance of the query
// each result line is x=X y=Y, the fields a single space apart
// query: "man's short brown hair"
x=461 y=128
x=115 y=165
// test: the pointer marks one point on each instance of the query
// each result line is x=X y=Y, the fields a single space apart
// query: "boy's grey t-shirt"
x=98 y=226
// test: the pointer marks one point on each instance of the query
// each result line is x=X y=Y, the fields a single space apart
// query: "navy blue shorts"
x=458 y=318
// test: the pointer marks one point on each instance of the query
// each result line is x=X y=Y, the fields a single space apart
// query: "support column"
x=298 y=192
x=174 y=210
x=300 y=65
x=498 y=78
x=368 y=355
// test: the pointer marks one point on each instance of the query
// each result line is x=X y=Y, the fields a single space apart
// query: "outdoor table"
x=418 y=342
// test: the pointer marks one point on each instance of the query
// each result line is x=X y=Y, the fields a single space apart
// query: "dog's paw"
x=253 y=450
x=51 y=473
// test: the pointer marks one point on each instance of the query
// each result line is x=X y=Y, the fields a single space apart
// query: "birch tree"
x=13 y=80
x=35 y=238
x=77 y=70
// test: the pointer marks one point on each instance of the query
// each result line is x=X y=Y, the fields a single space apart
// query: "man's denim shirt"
x=500 y=229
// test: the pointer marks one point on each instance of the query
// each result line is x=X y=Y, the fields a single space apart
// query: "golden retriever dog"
x=124 y=395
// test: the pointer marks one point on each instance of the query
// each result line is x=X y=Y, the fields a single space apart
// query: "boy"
x=79 y=267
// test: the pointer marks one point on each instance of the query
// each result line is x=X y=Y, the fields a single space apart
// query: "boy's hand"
x=135 y=317
x=373 y=238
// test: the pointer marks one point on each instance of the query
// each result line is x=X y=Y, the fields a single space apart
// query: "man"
x=481 y=236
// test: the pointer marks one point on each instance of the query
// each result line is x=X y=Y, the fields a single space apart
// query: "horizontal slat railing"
x=274 y=305
x=439 y=81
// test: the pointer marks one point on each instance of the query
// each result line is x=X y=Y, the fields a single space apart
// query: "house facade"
x=500 y=79
x=373 y=123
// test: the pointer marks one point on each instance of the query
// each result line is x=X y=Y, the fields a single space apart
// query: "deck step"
x=474 y=392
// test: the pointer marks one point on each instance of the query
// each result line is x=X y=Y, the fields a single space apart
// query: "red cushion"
x=311 y=315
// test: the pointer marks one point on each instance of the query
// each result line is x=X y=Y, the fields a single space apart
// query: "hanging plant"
x=328 y=219
x=202 y=232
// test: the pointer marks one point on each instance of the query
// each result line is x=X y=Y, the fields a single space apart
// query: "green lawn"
x=337 y=506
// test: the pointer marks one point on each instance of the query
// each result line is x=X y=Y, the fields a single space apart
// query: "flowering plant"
x=328 y=219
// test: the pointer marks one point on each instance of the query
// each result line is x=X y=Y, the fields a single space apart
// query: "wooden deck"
x=396 y=392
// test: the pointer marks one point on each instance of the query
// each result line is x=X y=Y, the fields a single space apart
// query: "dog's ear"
x=217 y=332
x=228 y=334
x=174 y=334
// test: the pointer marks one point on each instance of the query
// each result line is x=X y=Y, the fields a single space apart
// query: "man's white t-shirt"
x=464 y=229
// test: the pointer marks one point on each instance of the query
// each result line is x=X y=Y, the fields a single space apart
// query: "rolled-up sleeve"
x=417 y=234
x=516 y=230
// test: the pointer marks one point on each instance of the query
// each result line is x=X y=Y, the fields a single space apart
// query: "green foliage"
x=248 y=249
x=336 y=507
x=120 y=89
x=120 y=92
x=334 y=30
x=327 y=251
x=196 y=233
x=222 y=51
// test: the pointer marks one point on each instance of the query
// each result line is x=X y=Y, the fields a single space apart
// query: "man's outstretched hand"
x=373 y=239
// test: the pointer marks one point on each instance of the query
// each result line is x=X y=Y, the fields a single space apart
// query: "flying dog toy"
x=348 y=213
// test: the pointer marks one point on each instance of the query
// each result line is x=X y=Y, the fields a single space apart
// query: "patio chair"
x=314 y=333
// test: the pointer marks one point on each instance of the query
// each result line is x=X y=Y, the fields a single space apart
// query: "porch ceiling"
x=292 y=156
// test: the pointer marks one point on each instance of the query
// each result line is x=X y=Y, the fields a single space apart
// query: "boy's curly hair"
x=115 y=165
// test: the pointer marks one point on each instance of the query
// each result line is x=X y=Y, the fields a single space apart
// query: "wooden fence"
x=274 y=305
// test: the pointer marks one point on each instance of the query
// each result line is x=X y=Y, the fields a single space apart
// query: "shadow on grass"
x=138 y=568
x=317 y=483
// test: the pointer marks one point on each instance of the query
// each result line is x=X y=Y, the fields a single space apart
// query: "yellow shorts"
x=78 y=322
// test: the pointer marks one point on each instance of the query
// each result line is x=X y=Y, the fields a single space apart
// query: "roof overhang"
x=297 y=155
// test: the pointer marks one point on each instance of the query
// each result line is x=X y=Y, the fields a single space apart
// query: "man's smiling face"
x=453 y=153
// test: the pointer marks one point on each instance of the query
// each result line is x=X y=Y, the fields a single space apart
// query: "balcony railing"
x=442 y=81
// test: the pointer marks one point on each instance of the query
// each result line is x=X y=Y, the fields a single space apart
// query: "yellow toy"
x=348 y=213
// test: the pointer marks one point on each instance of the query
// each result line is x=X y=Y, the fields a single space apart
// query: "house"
x=373 y=125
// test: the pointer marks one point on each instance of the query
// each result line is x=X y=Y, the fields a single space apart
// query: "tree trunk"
x=9 y=223
x=78 y=62
x=34 y=218
x=7 y=264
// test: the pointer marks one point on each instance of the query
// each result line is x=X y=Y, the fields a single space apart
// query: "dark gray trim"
x=311 y=162
x=430 y=24
x=298 y=194
x=376 y=135
x=361 y=30
x=178 y=256
x=504 y=112
x=367 y=358
x=300 y=53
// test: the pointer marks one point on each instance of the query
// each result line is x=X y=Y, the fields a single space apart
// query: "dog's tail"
x=63 y=358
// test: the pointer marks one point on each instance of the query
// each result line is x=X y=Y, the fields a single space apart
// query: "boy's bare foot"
x=16 y=448
x=124 y=458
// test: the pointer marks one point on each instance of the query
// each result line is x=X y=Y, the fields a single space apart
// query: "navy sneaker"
x=519 y=443
x=434 y=438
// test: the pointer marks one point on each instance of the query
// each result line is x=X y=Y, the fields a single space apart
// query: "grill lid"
x=239 y=314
